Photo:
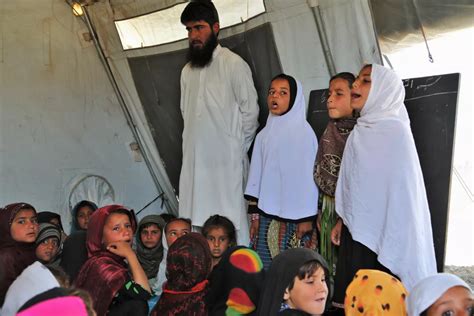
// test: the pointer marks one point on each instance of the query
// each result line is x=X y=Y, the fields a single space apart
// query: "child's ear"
x=286 y=295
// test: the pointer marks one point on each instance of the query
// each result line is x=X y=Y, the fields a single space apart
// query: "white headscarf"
x=281 y=170
x=35 y=279
x=380 y=193
x=428 y=290
x=157 y=285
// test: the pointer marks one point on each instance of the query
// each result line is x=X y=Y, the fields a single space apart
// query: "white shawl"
x=35 y=279
x=281 y=171
x=429 y=290
x=380 y=193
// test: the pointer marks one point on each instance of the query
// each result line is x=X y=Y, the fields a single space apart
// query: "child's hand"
x=121 y=248
x=302 y=228
x=336 y=233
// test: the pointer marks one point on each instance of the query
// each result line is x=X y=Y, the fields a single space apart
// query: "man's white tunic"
x=220 y=110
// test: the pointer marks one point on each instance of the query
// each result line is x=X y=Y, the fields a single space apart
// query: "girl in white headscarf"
x=380 y=193
x=280 y=187
x=441 y=294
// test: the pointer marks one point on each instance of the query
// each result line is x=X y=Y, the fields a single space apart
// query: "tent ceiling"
x=398 y=26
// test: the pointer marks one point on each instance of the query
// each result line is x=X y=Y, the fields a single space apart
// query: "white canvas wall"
x=59 y=117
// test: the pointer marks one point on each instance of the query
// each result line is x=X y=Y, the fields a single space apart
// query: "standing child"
x=281 y=189
x=380 y=194
x=220 y=234
x=118 y=287
x=18 y=231
x=328 y=160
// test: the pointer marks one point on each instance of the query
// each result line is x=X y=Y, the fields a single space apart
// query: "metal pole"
x=125 y=110
x=314 y=4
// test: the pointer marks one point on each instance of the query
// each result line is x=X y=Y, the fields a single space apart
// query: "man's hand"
x=254 y=229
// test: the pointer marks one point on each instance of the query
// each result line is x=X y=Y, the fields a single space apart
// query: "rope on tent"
x=430 y=57
x=160 y=196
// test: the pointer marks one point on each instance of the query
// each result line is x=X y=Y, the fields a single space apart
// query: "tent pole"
x=125 y=110
x=314 y=5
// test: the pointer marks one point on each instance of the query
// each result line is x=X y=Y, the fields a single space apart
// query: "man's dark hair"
x=200 y=10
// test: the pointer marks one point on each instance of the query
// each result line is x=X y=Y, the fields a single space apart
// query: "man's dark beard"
x=201 y=57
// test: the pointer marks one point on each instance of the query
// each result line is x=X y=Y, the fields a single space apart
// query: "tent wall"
x=59 y=117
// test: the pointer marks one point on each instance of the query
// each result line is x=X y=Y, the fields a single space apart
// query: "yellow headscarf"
x=374 y=293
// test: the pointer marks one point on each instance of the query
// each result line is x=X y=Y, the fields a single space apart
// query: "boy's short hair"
x=200 y=10
x=177 y=219
x=218 y=221
x=307 y=269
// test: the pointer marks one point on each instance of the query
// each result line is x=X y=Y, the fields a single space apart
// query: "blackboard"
x=431 y=105
x=157 y=79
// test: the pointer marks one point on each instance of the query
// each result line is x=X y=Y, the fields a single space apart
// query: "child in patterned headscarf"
x=374 y=292
x=188 y=265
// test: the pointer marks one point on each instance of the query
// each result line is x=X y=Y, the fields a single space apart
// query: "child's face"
x=176 y=229
x=361 y=88
x=339 y=100
x=83 y=216
x=151 y=236
x=457 y=301
x=278 y=99
x=218 y=241
x=47 y=249
x=308 y=295
x=24 y=227
x=117 y=228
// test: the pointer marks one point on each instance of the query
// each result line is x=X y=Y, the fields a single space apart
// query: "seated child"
x=59 y=301
x=439 y=295
x=374 y=292
x=116 y=286
x=280 y=187
x=235 y=283
x=52 y=218
x=81 y=214
x=18 y=231
x=35 y=279
x=175 y=228
x=296 y=284
x=149 y=249
x=188 y=266
x=48 y=244
x=220 y=234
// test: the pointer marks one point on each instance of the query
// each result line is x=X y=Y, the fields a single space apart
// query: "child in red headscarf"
x=117 y=287
x=18 y=231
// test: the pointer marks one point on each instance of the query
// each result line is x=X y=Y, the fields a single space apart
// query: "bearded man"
x=220 y=111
